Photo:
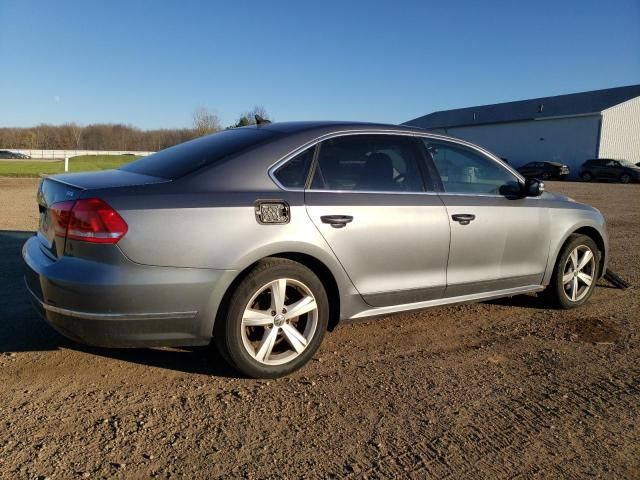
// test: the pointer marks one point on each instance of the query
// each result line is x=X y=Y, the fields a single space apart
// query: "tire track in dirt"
x=509 y=426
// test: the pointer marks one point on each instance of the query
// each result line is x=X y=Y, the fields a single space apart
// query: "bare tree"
x=47 y=136
x=101 y=136
x=65 y=138
x=76 y=131
x=204 y=121
x=10 y=138
x=92 y=137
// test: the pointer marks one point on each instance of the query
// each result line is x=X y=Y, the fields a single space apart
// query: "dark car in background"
x=7 y=154
x=544 y=170
x=609 y=169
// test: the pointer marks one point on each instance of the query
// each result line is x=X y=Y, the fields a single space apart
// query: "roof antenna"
x=261 y=121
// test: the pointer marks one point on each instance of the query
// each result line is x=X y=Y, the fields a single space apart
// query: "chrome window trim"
x=434 y=136
x=493 y=195
x=381 y=192
x=489 y=195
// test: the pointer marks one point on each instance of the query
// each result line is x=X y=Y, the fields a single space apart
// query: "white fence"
x=62 y=154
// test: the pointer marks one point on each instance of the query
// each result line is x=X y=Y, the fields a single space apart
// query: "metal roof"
x=572 y=104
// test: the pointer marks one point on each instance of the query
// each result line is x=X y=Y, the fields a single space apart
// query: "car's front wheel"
x=575 y=273
x=625 y=178
x=586 y=176
x=276 y=319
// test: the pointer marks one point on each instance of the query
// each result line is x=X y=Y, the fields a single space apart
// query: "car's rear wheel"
x=576 y=272
x=546 y=176
x=586 y=176
x=276 y=319
x=625 y=178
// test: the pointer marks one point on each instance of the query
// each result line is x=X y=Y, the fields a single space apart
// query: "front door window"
x=465 y=171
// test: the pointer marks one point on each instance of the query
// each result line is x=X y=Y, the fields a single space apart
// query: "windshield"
x=627 y=163
x=177 y=161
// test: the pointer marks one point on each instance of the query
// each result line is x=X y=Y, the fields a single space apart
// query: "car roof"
x=325 y=125
x=309 y=130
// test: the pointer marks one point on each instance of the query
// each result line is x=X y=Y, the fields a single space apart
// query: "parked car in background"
x=544 y=170
x=262 y=238
x=7 y=154
x=609 y=169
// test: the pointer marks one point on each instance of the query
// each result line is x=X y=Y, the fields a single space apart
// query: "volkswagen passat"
x=262 y=238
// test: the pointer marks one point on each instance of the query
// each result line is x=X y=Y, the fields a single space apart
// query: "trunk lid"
x=106 y=179
x=68 y=188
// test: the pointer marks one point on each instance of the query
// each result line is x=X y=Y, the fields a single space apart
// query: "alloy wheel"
x=579 y=272
x=279 y=321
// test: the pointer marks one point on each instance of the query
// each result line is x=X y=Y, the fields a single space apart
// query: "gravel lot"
x=504 y=389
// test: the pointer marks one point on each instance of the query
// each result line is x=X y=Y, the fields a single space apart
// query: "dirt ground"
x=504 y=389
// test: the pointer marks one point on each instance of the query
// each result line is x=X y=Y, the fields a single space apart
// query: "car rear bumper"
x=124 y=304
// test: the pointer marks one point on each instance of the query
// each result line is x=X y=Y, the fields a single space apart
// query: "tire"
x=546 y=176
x=586 y=176
x=564 y=279
x=625 y=178
x=258 y=341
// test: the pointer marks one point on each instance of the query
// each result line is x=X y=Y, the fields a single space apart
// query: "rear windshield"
x=177 y=161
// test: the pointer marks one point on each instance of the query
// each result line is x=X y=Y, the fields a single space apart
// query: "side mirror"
x=532 y=187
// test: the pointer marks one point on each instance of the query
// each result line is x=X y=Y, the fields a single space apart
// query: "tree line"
x=119 y=137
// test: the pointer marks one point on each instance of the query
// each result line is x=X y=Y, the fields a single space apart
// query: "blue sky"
x=150 y=63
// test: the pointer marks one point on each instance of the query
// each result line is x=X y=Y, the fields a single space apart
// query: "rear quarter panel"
x=217 y=231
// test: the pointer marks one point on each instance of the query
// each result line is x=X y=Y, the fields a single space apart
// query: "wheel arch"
x=318 y=267
x=326 y=277
x=591 y=232
x=594 y=235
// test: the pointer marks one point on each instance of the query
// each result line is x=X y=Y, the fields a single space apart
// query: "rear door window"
x=374 y=163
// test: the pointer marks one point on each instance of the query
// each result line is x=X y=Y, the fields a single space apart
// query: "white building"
x=565 y=128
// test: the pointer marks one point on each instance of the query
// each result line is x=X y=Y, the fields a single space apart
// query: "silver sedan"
x=263 y=238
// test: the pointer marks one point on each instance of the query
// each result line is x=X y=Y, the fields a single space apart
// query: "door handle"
x=463 y=218
x=337 y=221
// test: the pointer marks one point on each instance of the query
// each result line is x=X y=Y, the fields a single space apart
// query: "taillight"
x=60 y=214
x=88 y=220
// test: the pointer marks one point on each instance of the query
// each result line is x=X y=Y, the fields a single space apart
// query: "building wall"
x=569 y=140
x=620 y=137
